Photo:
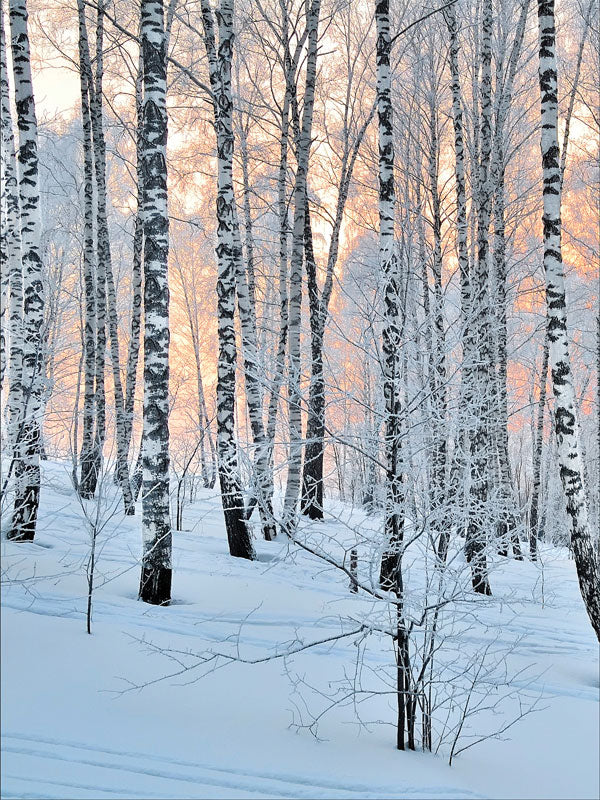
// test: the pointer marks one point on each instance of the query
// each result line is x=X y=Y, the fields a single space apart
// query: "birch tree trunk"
x=136 y=272
x=9 y=206
x=208 y=475
x=478 y=356
x=88 y=460
x=566 y=424
x=598 y=410
x=238 y=534
x=508 y=522
x=11 y=255
x=460 y=468
x=254 y=400
x=388 y=267
x=91 y=458
x=105 y=265
x=155 y=582
x=292 y=488
x=391 y=563
x=27 y=470
x=282 y=211
x=248 y=225
x=438 y=348
x=534 y=527
x=312 y=476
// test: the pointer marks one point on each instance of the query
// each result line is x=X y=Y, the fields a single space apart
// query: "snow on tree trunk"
x=155 y=582
x=11 y=255
x=565 y=415
x=238 y=534
x=88 y=462
x=27 y=471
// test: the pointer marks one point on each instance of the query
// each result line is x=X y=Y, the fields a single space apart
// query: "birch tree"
x=90 y=440
x=507 y=527
x=105 y=268
x=246 y=294
x=137 y=266
x=219 y=60
x=353 y=132
x=27 y=470
x=11 y=253
x=292 y=489
x=477 y=334
x=438 y=344
x=460 y=453
x=534 y=525
x=391 y=564
x=565 y=412
x=155 y=582
x=390 y=278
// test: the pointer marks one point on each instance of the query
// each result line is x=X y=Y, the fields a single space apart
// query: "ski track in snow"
x=201 y=775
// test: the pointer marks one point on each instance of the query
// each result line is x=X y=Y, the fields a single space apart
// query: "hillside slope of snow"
x=74 y=726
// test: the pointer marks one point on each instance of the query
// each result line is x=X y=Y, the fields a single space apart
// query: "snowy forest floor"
x=70 y=731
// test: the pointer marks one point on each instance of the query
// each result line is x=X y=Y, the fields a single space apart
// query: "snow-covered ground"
x=72 y=726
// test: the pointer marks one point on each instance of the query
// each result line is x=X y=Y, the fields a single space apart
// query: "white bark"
x=477 y=342
x=507 y=526
x=27 y=470
x=391 y=333
x=11 y=256
x=459 y=479
x=133 y=350
x=438 y=346
x=89 y=455
x=155 y=583
x=105 y=262
x=219 y=62
x=295 y=297
x=565 y=422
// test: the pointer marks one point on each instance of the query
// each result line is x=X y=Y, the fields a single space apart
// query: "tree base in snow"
x=155 y=585
x=19 y=533
x=311 y=509
x=25 y=515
